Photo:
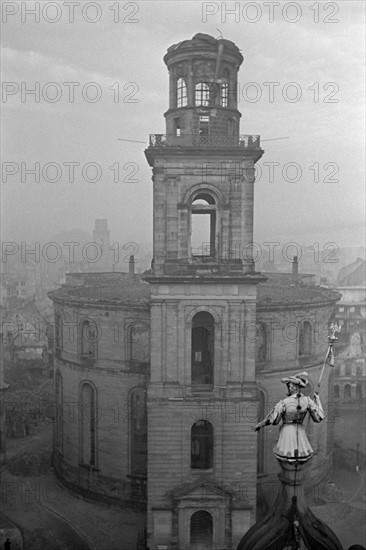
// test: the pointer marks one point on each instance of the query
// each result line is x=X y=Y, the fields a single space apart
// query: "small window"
x=138 y=350
x=89 y=336
x=261 y=343
x=204 y=122
x=177 y=126
x=305 y=339
x=351 y=309
x=202 y=96
x=341 y=309
x=181 y=93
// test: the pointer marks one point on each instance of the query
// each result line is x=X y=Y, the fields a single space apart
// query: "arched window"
x=347 y=392
x=88 y=424
x=201 y=531
x=203 y=226
x=138 y=343
x=358 y=392
x=348 y=370
x=203 y=347
x=202 y=443
x=224 y=88
x=88 y=337
x=138 y=430
x=336 y=370
x=202 y=94
x=261 y=343
x=336 y=391
x=181 y=93
x=305 y=339
x=58 y=334
x=359 y=372
x=59 y=412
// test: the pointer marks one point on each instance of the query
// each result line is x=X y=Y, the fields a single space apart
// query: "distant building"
x=351 y=310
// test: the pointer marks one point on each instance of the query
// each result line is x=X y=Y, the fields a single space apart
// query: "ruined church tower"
x=202 y=391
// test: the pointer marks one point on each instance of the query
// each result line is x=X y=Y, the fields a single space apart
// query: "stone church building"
x=160 y=378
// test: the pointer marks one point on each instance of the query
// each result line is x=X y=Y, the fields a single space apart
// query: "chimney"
x=131 y=265
x=295 y=271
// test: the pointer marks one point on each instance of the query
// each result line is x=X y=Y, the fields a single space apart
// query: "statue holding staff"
x=292 y=444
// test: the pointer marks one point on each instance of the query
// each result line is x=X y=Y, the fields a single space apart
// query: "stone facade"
x=116 y=366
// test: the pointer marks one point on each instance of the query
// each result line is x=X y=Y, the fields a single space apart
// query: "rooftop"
x=121 y=289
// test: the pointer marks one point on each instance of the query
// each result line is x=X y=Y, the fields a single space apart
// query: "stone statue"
x=292 y=444
x=290 y=522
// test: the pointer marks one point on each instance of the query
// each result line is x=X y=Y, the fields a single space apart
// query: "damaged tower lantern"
x=291 y=525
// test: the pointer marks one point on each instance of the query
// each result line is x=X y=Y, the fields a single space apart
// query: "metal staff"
x=329 y=358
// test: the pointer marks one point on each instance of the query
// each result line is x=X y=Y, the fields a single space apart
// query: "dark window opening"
x=138 y=424
x=202 y=435
x=336 y=391
x=347 y=392
x=203 y=342
x=201 y=531
x=204 y=128
x=358 y=392
x=88 y=424
x=177 y=126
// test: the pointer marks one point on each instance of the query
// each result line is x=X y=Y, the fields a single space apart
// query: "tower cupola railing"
x=171 y=140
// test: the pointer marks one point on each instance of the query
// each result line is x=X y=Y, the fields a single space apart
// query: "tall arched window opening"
x=88 y=424
x=59 y=412
x=305 y=339
x=202 y=94
x=202 y=444
x=201 y=531
x=203 y=226
x=181 y=93
x=203 y=348
x=89 y=337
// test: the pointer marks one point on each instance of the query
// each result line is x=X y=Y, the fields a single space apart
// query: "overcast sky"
x=324 y=127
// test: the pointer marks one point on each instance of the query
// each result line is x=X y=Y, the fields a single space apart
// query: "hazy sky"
x=325 y=126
